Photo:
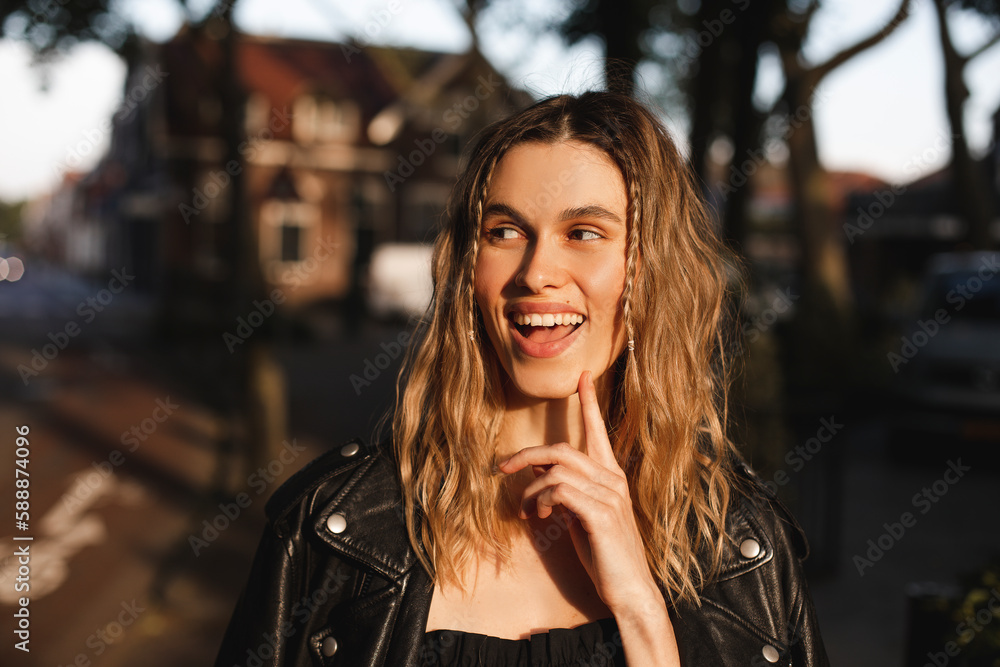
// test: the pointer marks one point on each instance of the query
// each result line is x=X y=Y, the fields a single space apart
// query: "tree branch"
x=985 y=47
x=470 y=15
x=819 y=71
x=807 y=15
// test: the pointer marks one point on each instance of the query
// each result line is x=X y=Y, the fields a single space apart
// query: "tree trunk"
x=257 y=386
x=746 y=120
x=621 y=44
x=969 y=186
x=704 y=94
x=824 y=258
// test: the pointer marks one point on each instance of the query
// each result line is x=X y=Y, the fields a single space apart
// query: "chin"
x=542 y=384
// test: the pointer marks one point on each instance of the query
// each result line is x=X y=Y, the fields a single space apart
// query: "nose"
x=540 y=267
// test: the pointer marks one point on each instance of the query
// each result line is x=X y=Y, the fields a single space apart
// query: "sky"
x=882 y=113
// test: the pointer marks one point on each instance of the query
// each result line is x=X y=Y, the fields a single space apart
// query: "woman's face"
x=552 y=250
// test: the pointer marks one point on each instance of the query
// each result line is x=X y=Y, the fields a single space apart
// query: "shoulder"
x=329 y=475
x=346 y=505
x=751 y=496
x=762 y=543
x=309 y=571
x=757 y=606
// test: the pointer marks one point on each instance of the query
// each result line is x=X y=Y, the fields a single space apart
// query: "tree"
x=727 y=42
x=619 y=25
x=52 y=27
x=824 y=256
x=969 y=183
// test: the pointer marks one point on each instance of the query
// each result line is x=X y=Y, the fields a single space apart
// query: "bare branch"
x=990 y=43
x=469 y=16
x=820 y=71
x=813 y=7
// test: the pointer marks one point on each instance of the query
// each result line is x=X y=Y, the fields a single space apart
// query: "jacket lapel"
x=364 y=525
x=364 y=522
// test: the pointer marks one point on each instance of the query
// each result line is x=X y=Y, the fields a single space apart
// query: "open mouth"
x=541 y=333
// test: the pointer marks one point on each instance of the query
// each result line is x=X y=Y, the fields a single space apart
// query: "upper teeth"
x=548 y=319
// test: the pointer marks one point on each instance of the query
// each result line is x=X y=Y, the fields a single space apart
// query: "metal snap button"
x=350 y=449
x=337 y=523
x=749 y=548
x=329 y=647
x=770 y=653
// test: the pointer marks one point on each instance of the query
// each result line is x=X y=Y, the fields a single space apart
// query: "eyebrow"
x=588 y=211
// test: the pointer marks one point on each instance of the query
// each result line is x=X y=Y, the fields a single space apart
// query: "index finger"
x=598 y=443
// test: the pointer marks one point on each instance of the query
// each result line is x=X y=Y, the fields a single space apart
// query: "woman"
x=559 y=487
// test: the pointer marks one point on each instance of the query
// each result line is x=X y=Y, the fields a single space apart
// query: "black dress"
x=595 y=644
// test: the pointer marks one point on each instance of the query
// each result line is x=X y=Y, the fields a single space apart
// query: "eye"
x=586 y=234
x=501 y=233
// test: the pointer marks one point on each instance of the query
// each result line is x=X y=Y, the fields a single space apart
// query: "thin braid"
x=480 y=202
x=472 y=270
x=632 y=255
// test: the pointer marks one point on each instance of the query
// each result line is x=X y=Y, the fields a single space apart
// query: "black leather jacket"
x=335 y=580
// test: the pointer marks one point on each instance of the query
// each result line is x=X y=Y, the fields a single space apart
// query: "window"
x=291 y=241
x=257 y=111
x=287 y=230
x=320 y=119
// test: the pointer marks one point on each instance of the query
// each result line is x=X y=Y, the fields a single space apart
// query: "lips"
x=541 y=341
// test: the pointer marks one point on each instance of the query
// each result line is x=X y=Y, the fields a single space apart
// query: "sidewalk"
x=120 y=470
x=863 y=609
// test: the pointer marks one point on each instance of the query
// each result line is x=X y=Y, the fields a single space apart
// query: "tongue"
x=546 y=334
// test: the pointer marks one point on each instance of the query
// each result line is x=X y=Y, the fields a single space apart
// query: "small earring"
x=472 y=337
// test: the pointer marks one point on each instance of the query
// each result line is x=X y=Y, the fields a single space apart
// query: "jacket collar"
x=364 y=521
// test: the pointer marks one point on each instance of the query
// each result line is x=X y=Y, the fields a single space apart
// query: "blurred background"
x=215 y=228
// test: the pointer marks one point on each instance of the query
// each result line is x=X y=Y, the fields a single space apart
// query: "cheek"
x=488 y=285
x=492 y=273
x=480 y=287
x=605 y=287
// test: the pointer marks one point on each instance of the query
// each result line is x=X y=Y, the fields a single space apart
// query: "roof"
x=282 y=69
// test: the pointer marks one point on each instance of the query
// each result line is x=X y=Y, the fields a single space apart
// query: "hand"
x=594 y=490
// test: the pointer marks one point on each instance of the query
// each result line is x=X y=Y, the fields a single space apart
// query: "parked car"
x=399 y=280
x=948 y=363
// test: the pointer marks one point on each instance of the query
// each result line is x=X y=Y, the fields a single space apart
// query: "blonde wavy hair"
x=667 y=420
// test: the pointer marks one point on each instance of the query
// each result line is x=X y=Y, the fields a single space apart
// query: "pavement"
x=113 y=579
x=952 y=528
